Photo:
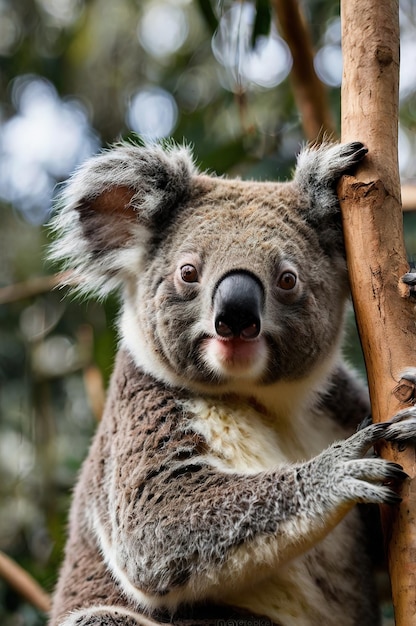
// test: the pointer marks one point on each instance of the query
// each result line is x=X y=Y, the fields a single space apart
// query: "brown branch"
x=23 y=583
x=95 y=390
x=376 y=255
x=310 y=93
x=33 y=287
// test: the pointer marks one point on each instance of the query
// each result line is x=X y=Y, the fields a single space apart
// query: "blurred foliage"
x=74 y=76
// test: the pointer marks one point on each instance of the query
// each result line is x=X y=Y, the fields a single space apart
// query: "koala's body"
x=223 y=477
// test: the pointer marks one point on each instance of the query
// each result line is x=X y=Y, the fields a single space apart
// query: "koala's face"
x=239 y=288
x=224 y=281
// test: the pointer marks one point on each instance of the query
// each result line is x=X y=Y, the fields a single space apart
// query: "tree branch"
x=23 y=583
x=310 y=93
x=33 y=287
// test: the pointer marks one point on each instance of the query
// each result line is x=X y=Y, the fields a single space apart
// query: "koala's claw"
x=377 y=470
x=344 y=157
x=390 y=497
x=399 y=432
x=394 y=471
x=367 y=421
x=356 y=477
x=355 y=149
x=400 y=427
x=406 y=414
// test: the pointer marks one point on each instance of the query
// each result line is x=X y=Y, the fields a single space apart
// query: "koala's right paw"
x=353 y=478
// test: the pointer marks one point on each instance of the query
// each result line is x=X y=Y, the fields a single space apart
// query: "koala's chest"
x=316 y=586
x=241 y=437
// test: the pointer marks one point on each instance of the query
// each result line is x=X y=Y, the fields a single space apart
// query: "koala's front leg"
x=194 y=531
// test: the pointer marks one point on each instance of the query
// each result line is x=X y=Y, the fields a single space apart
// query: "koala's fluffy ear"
x=112 y=206
x=317 y=172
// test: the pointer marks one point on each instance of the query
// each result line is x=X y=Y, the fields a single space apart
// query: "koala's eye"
x=287 y=281
x=189 y=274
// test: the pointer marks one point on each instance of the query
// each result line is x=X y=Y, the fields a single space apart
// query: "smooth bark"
x=376 y=256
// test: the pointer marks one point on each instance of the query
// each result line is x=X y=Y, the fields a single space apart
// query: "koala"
x=222 y=481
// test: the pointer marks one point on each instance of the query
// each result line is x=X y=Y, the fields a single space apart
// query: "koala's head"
x=222 y=281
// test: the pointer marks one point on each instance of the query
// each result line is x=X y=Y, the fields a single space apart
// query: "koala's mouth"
x=236 y=357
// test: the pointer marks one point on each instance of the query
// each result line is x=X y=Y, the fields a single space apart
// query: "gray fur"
x=319 y=169
x=223 y=472
x=155 y=180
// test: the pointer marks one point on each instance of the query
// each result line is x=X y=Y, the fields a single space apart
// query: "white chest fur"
x=244 y=437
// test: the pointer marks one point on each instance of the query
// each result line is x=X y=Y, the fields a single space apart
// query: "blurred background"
x=77 y=75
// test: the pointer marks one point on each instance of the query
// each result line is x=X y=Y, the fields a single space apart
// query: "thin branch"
x=95 y=390
x=310 y=93
x=33 y=287
x=23 y=583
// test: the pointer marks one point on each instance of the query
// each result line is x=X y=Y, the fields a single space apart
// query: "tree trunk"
x=376 y=257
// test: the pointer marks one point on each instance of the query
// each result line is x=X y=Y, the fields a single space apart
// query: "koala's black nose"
x=238 y=302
